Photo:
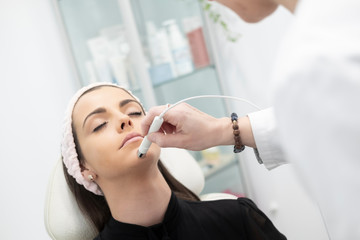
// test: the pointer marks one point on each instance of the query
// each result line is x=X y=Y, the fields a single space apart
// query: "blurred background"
x=164 y=51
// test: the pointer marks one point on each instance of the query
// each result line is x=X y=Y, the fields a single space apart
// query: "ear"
x=88 y=174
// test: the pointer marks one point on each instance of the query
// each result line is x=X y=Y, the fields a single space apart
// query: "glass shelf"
x=179 y=78
x=85 y=20
x=211 y=168
x=202 y=81
x=223 y=176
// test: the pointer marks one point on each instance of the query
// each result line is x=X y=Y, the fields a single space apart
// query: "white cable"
x=208 y=96
x=158 y=120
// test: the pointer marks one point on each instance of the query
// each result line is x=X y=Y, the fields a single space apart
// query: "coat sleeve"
x=264 y=128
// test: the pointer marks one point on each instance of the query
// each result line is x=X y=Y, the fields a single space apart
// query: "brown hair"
x=95 y=207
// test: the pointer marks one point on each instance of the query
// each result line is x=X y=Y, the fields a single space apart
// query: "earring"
x=90 y=177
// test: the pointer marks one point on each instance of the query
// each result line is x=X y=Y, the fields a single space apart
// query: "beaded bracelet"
x=239 y=147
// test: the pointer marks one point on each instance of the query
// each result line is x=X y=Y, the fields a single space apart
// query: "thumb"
x=156 y=137
x=164 y=140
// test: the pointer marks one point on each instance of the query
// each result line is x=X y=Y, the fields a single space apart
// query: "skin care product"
x=194 y=32
x=179 y=47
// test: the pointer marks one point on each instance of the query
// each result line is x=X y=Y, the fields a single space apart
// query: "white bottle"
x=160 y=51
x=159 y=48
x=179 y=48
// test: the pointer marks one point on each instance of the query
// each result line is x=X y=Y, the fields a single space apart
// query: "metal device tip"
x=140 y=155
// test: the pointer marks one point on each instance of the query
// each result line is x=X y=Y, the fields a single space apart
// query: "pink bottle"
x=195 y=35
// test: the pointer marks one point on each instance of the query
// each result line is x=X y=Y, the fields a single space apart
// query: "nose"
x=124 y=123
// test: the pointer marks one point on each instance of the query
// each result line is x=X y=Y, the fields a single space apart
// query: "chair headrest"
x=63 y=218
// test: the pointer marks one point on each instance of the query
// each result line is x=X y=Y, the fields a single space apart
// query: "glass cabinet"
x=161 y=50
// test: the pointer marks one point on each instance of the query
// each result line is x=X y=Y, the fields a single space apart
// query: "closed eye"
x=135 y=113
x=99 y=127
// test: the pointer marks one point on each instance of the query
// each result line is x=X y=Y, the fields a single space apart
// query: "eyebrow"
x=126 y=101
x=102 y=110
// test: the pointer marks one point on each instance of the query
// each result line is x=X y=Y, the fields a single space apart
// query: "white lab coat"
x=317 y=110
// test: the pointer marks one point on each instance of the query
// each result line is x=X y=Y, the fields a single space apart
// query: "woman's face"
x=251 y=10
x=107 y=124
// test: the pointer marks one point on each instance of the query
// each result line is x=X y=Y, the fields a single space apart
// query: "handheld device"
x=145 y=144
x=158 y=120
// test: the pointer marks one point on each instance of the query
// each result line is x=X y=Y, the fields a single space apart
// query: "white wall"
x=247 y=67
x=36 y=83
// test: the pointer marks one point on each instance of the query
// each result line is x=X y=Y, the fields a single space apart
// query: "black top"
x=210 y=220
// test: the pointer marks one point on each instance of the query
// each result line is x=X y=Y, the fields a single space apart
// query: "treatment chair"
x=64 y=220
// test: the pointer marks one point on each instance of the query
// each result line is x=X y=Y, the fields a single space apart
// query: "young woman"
x=127 y=197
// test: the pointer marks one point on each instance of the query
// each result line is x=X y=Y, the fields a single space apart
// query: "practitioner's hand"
x=187 y=127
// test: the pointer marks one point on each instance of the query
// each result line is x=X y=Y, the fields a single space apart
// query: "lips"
x=131 y=137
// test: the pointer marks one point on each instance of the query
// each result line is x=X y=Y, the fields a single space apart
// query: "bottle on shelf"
x=194 y=32
x=109 y=51
x=179 y=48
x=162 y=64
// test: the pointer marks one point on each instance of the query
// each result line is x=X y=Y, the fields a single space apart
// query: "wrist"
x=225 y=134
x=246 y=133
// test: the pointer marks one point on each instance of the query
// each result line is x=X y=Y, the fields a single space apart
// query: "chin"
x=255 y=17
x=152 y=153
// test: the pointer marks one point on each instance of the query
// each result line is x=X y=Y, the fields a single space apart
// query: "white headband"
x=68 y=148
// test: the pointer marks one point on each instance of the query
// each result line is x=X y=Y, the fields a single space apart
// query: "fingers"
x=184 y=127
x=167 y=140
x=149 y=117
x=158 y=138
x=168 y=128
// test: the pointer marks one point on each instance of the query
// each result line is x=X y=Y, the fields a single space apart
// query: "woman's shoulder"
x=228 y=207
x=241 y=201
x=242 y=212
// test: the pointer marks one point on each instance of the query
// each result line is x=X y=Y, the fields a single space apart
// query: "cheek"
x=156 y=149
x=153 y=153
x=137 y=123
x=106 y=163
x=98 y=152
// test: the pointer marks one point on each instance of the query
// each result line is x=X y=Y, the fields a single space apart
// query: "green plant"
x=215 y=16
